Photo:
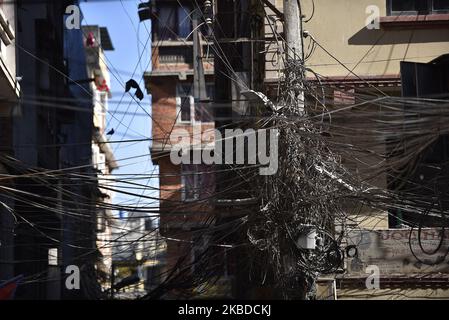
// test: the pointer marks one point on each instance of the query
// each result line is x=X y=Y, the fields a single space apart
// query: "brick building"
x=185 y=189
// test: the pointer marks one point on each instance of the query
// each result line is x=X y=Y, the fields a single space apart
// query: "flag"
x=8 y=288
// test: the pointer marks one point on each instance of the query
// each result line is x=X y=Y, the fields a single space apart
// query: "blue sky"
x=129 y=37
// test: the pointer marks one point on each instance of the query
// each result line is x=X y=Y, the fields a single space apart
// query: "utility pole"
x=294 y=86
x=294 y=46
x=199 y=86
x=199 y=82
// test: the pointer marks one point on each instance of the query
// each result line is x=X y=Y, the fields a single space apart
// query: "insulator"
x=208 y=12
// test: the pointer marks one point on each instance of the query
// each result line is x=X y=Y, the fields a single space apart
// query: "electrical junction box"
x=307 y=238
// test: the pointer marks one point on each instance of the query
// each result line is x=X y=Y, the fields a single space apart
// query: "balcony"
x=96 y=41
x=178 y=56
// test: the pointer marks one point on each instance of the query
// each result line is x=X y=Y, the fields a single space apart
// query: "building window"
x=100 y=109
x=149 y=225
x=203 y=111
x=184 y=22
x=191 y=183
x=98 y=159
x=173 y=21
x=186 y=110
x=155 y=276
x=198 y=181
x=198 y=251
x=101 y=220
x=185 y=103
x=440 y=5
x=412 y=7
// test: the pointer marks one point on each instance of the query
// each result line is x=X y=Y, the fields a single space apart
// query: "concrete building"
x=367 y=47
x=178 y=61
x=97 y=41
x=9 y=106
x=52 y=130
x=352 y=59
x=138 y=255
x=405 y=54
